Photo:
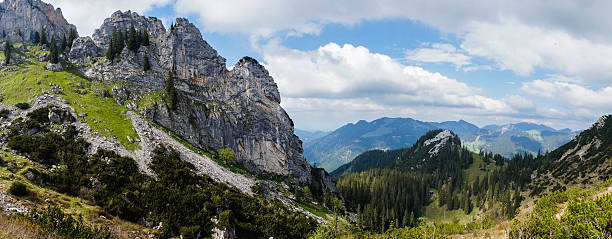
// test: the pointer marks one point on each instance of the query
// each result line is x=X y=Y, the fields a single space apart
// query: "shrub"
x=19 y=189
x=4 y=113
x=23 y=106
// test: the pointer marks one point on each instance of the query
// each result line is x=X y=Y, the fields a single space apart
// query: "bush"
x=55 y=222
x=23 y=106
x=19 y=189
x=4 y=113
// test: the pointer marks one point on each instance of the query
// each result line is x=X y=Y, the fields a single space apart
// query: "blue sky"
x=492 y=62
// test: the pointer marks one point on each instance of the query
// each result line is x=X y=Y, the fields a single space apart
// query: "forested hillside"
x=396 y=188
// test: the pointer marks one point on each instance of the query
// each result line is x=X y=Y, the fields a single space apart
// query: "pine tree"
x=43 y=36
x=170 y=91
x=145 y=38
x=132 y=42
x=64 y=44
x=110 y=51
x=36 y=38
x=72 y=35
x=7 y=52
x=119 y=43
x=146 y=65
x=54 y=51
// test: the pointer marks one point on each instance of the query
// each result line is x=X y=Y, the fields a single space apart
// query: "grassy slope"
x=30 y=79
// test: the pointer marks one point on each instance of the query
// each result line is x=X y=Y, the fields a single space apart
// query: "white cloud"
x=439 y=53
x=571 y=94
x=582 y=18
x=342 y=81
x=522 y=48
x=88 y=15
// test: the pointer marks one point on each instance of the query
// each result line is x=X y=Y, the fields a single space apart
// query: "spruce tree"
x=145 y=38
x=120 y=42
x=132 y=42
x=43 y=36
x=146 y=64
x=36 y=38
x=110 y=51
x=7 y=52
x=64 y=44
x=72 y=35
x=54 y=51
x=170 y=90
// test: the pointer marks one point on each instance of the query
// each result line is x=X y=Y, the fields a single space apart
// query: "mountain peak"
x=601 y=122
x=440 y=140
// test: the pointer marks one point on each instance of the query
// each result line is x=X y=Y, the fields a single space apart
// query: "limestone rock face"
x=241 y=110
x=83 y=50
x=216 y=108
x=19 y=19
x=190 y=57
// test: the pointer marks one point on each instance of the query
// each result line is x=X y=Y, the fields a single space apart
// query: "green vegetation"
x=446 y=186
x=101 y=113
x=132 y=39
x=43 y=36
x=53 y=221
x=54 y=52
x=585 y=216
x=7 y=52
x=23 y=105
x=423 y=229
x=4 y=113
x=170 y=91
x=227 y=155
x=181 y=200
x=72 y=35
x=19 y=189
x=146 y=66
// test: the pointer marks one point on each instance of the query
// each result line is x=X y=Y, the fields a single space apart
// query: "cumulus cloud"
x=522 y=49
x=89 y=15
x=439 y=53
x=345 y=79
x=570 y=94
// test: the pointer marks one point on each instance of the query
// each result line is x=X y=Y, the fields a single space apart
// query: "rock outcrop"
x=20 y=19
x=216 y=108
x=83 y=50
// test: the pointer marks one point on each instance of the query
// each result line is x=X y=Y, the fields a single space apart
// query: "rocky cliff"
x=20 y=19
x=216 y=108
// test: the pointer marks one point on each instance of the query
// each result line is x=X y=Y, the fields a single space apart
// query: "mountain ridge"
x=345 y=143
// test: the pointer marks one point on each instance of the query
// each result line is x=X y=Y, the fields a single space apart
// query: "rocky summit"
x=216 y=108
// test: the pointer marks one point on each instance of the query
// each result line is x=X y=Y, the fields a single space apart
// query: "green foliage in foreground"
x=423 y=229
x=183 y=201
x=584 y=218
x=53 y=221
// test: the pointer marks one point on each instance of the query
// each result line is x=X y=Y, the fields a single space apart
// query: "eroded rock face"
x=83 y=50
x=190 y=57
x=19 y=19
x=216 y=108
x=241 y=110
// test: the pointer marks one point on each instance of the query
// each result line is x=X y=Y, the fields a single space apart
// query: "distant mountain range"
x=307 y=136
x=344 y=144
